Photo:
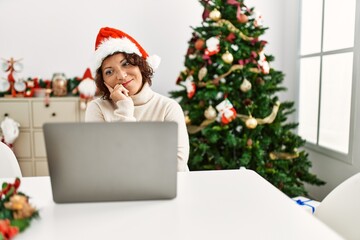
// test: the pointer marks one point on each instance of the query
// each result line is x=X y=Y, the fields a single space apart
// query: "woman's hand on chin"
x=119 y=92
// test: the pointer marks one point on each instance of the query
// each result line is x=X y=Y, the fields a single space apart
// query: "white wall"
x=59 y=36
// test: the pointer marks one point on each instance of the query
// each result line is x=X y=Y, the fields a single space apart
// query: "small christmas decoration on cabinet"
x=59 y=84
x=13 y=83
x=86 y=89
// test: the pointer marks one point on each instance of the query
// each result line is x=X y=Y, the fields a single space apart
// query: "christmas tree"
x=228 y=95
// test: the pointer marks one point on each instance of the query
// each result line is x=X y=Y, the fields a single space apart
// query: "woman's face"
x=116 y=70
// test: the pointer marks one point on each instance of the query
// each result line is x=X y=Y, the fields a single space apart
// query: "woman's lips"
x=126 y=83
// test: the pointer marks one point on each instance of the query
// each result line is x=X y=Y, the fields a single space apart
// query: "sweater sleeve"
x=175 y=113
x=125 y=111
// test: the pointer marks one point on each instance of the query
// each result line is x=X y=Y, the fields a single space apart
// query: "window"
x=326 y=74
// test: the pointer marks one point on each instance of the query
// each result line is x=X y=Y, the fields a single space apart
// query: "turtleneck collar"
x=143 y=96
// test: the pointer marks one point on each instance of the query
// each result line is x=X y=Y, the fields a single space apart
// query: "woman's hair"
x=135 y=60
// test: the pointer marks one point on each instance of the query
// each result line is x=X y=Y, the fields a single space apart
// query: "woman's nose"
x=121 y=75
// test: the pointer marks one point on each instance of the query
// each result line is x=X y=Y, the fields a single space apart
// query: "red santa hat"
x=110 y=41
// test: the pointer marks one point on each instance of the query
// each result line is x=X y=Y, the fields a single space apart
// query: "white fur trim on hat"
x=153 y=61
x=112 y=45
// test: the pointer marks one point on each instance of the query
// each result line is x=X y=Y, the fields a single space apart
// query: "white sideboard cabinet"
x=31 y=114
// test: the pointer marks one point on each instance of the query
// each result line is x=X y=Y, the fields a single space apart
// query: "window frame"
x=346 y=158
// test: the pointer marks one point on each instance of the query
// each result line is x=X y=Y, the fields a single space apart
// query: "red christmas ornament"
x=231 y=37
x=243 y=18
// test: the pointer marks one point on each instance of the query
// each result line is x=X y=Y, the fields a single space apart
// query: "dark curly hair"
x=135 y=60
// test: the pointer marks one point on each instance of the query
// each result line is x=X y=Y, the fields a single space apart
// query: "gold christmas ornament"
x=227 y=57
x=210 y=113
x=187 y=120
x=202 y=73
x=215 y=15
x=245 y=85
x=251 y=123
x=267 y=120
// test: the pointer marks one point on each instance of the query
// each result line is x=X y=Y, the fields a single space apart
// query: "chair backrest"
x=9 y=166
x=340 y=209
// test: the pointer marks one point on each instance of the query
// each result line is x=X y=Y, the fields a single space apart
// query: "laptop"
x=118 y=161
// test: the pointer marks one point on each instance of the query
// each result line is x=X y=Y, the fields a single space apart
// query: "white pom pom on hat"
x=111 y=40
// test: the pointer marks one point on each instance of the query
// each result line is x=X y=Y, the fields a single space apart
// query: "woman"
x=123 y=75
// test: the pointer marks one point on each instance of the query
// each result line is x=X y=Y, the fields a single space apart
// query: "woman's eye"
x=108 y=72
x=126 y=63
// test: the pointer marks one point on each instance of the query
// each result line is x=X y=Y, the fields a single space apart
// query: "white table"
x=229 y=204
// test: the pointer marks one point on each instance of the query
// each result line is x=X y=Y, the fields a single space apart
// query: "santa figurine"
x=227 y=112
x=86 y=88
x=10 y=131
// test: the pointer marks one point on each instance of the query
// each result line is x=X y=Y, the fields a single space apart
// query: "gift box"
x=308 y=204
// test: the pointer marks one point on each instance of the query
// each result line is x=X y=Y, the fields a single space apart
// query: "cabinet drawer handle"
x=53 y=114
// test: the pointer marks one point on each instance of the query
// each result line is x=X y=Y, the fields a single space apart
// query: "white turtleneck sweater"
x=147 y=105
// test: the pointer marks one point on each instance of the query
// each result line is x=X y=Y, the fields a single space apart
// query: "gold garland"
x=233 y=68
x=267 y=120
x=194 y=129
x=233 y=29
x=282 y=155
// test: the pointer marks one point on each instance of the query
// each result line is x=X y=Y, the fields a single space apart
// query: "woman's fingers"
x=122 y=89
x=118 y=92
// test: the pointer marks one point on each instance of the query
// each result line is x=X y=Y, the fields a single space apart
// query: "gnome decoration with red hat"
x=86 y=88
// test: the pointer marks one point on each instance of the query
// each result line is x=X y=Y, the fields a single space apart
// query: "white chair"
x=340 y=209
x=9 y=166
